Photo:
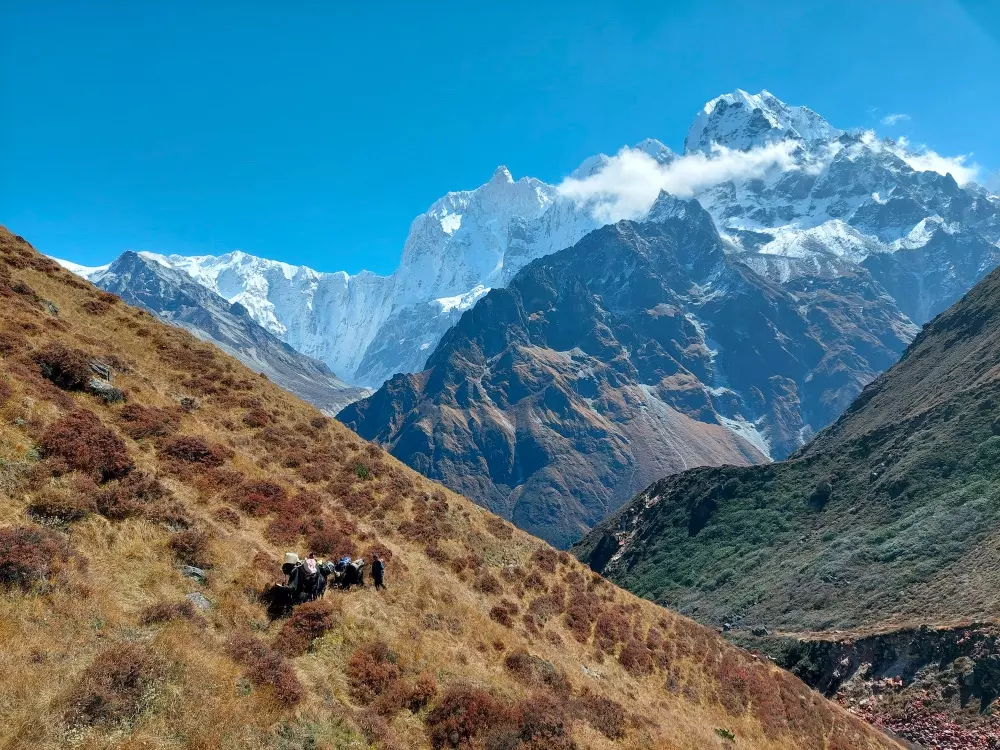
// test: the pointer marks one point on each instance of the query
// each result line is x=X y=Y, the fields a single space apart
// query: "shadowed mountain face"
x=642 y=350
x=174 y=297
x=891 y=515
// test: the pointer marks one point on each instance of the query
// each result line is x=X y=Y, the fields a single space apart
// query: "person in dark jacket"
x=378 y=572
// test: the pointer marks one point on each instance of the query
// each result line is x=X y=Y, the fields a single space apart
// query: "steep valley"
x=149 y=484
x=868 y=561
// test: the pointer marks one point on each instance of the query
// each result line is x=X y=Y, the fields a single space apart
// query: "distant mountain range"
x=175 y=297
x=640 y=351
x=848 y=246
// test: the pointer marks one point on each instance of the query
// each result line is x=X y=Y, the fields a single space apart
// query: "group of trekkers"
x=307 y=580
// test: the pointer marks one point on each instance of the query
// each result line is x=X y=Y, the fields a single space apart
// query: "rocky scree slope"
x=891 y=516
x=935 y=687
x=642 y=350
x=175 y=298
x=138 y=533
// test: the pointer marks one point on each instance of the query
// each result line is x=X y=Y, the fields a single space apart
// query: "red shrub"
x=499 y=528
x=603 y=714
x=283 y=531
x=504 y=613
x=611 y=628
x=190 y=450
x=541 y=723
x=166 y=611
x=140 y=422
x=256 y=418
x=534 y=670
x=226 y=515
x=307 y=623
x=12 y=343
x=580 y=616
x=330 y=540
x=488 y=583
x=115 y=687
x=5 y=392
x=85 y=444
x=133 y=496
x=464 y=715
x=258 y=498
x=29 y=555
x=71 y=502
x=635 y=658
x=371 y=670
x=191 y=547
x=544 y=559
x=95 y=307
x=319 y=422
x=66 y=367
x=265 y=667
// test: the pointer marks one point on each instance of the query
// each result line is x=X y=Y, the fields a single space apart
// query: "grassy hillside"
x=486 y=637
x=890 y=517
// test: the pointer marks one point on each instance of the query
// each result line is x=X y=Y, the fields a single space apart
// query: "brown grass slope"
x=486 y=638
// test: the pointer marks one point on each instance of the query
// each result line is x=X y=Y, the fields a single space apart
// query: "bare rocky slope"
x=149 y=484
x=645 y=349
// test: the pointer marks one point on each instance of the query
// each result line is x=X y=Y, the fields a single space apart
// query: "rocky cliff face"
x=644 y=349
x=887 y=508
x=935 y=687
x=174 y=297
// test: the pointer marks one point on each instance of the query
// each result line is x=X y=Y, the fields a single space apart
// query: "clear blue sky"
x=315 y=133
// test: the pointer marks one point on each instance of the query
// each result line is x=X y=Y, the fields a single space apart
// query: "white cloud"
x=628 y=184
x=891 y=120
x=924 y=159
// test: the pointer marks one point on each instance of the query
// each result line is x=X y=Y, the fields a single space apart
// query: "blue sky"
x=316 y=133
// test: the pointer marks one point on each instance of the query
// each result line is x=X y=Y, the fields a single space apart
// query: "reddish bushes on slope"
x=66 y=367
x=166 y=611
x=265 y=667
x=193 y=452
x=258 y=498
x=308 y=622
x=603 y=714
x=135 y=495
x=115 y=687
x=85 y=444
x=504 y=612
x=139 y=422
x=371 y=670
x=463 y=715
x=191 y=547
x=29 y=555
x=471 y=717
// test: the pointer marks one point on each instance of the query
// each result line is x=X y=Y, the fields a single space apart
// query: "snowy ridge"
x=840 y=199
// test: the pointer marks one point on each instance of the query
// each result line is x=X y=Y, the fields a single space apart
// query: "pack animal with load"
x=307 y=580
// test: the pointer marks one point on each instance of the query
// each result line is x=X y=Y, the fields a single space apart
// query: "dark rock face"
x=889 y=515
x=927 y=280
x=937 y=687
x=641 y=351
x=174 y=297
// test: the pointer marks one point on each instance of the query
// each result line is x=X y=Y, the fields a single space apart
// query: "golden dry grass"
x=451 y=565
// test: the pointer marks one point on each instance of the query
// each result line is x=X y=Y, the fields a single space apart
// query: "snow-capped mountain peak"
x=743 y=121
x=836 y=197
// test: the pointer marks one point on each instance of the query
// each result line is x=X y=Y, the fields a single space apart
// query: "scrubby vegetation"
x=484 y=637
